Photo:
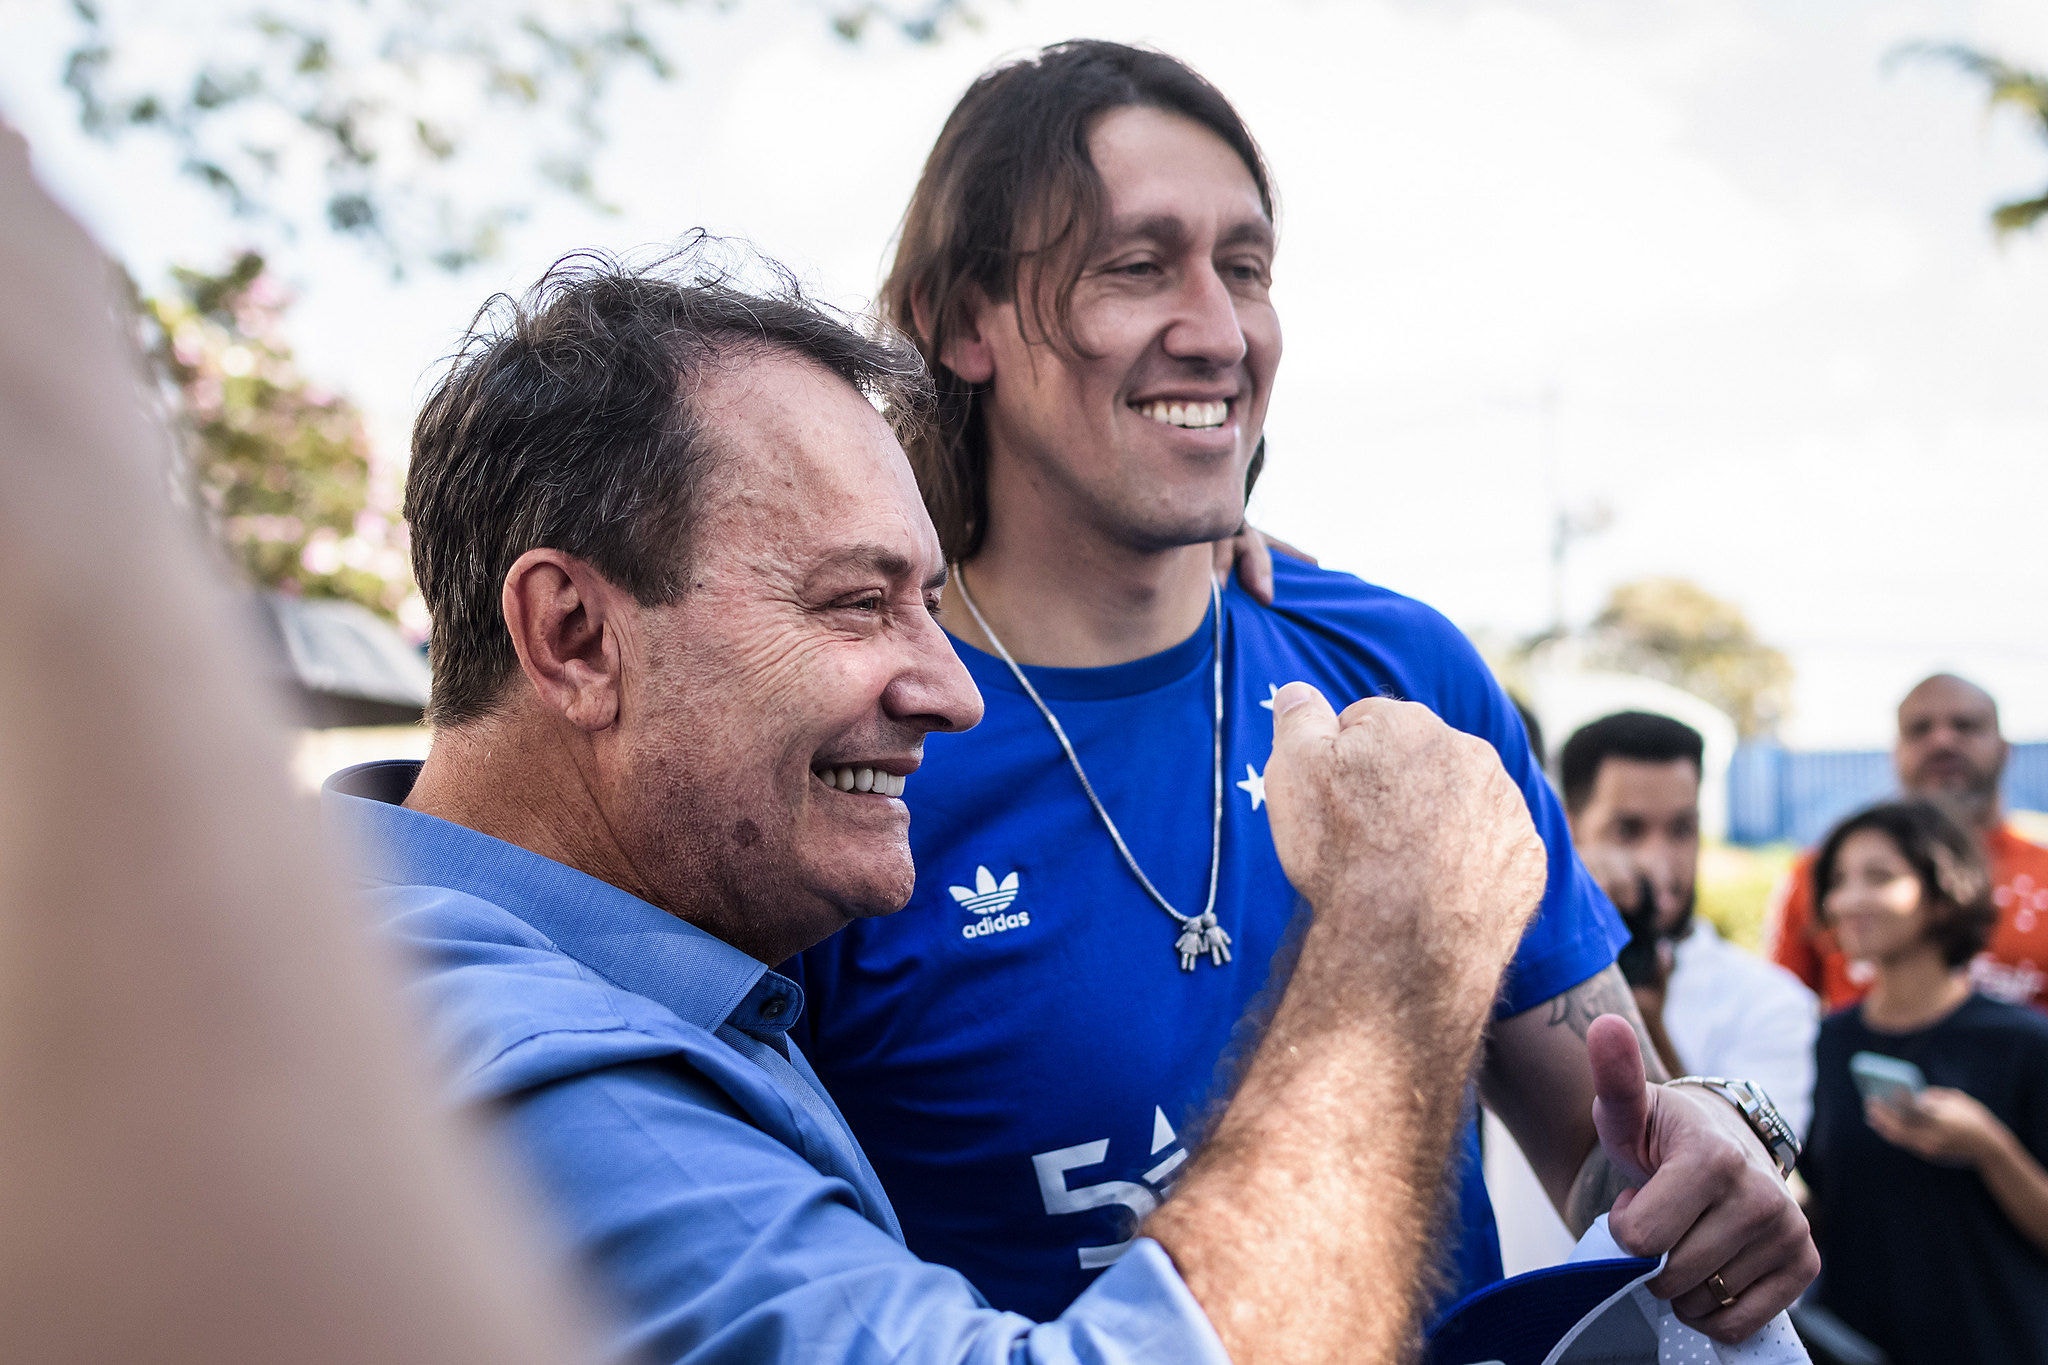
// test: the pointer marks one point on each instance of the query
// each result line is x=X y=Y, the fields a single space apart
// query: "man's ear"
x=564 y=617
x=966 y=352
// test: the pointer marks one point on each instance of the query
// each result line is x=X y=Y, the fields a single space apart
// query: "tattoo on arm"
x=1593 y=1193
x=1577 y=1008
x=1606 y=993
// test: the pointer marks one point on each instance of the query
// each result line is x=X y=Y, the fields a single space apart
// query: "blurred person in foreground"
x=1931 y=1209
x=685 y=659
x=1949 y=751
x=1032 y=1051
x=218 y=1139
x=1632 y=793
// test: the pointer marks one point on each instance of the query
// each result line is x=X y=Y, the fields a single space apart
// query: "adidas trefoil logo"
x=987 y=896
x=988 y=899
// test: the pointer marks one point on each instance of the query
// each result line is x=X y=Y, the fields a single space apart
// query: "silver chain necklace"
x=1201 y=933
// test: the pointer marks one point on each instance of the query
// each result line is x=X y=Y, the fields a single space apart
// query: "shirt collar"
x=636 y=946
x=1111 y=681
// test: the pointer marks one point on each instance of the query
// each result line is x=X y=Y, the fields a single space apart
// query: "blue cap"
x=1520 y=1321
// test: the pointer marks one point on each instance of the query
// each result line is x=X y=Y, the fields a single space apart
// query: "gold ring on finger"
x=1718 y=1287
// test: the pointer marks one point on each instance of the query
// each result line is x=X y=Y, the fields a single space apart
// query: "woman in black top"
x=1932 y=1214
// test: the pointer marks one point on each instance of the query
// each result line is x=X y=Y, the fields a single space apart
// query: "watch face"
x=1754 y=1104
x=1770 y=1125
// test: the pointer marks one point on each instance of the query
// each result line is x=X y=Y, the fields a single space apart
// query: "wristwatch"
x=1757 y=1110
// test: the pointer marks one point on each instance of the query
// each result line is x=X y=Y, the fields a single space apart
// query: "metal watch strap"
x=1758 y=1112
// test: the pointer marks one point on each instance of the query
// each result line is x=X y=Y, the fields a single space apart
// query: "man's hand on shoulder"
x=1708 y=1193
x=1250 y=552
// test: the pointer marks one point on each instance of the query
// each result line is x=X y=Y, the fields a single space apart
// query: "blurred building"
x=353 y=687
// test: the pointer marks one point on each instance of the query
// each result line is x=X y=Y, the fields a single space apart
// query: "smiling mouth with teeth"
x=1198 y=416
x=873 y=780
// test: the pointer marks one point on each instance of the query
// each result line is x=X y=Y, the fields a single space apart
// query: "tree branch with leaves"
x=279 y=467
x=1678 y=632
x=418 y=129
x=2006 y=87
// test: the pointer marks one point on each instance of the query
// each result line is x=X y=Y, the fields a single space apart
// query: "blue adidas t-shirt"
x=1019 y=1050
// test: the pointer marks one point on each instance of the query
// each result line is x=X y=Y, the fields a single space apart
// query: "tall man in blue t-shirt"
x=1029 y=1051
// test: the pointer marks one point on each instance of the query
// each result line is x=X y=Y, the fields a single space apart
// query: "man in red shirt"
x=1949 y=749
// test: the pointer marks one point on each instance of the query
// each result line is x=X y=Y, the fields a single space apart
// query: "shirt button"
x=772 y=1007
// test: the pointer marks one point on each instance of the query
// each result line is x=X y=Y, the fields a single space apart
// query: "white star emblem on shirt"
x=1272 y=695
x=1254 y=786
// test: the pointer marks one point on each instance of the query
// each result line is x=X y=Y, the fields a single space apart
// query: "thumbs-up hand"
x=1708 y=1193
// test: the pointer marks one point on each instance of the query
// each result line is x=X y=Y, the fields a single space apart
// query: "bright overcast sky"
x=1749 y=262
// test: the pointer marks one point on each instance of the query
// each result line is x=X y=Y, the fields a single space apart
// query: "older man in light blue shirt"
x=685 y=656
x=643 y=1069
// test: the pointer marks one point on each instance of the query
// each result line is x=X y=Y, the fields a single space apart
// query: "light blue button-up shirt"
x=643 y=1069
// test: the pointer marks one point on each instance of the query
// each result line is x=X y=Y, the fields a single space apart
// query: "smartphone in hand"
x=1886 y=1080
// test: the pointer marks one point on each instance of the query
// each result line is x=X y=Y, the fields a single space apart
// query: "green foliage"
x=418 y=129
x=280 y=468
x=2006 y=86
x=1735 y=886
x=1678 y=632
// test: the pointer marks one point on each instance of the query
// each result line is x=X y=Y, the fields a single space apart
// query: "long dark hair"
x=1009 y=196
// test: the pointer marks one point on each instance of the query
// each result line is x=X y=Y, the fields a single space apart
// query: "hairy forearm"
x=1326 y=1169
x=1301 y=1225
x=2018 y=1185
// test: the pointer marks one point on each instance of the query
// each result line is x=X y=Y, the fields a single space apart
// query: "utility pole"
x=1568 y=525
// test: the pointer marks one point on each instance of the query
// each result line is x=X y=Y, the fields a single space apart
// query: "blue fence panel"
x=2026 y=777
x=1777 y=795
x=1821 y=788
x=1754 y=810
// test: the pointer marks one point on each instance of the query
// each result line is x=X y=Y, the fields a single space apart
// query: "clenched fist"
x=1411 y=842
x=1329 y=1165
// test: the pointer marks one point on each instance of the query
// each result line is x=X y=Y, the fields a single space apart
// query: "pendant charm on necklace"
x=1200 y=935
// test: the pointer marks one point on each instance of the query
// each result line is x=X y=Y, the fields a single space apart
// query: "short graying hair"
x=565 y=421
